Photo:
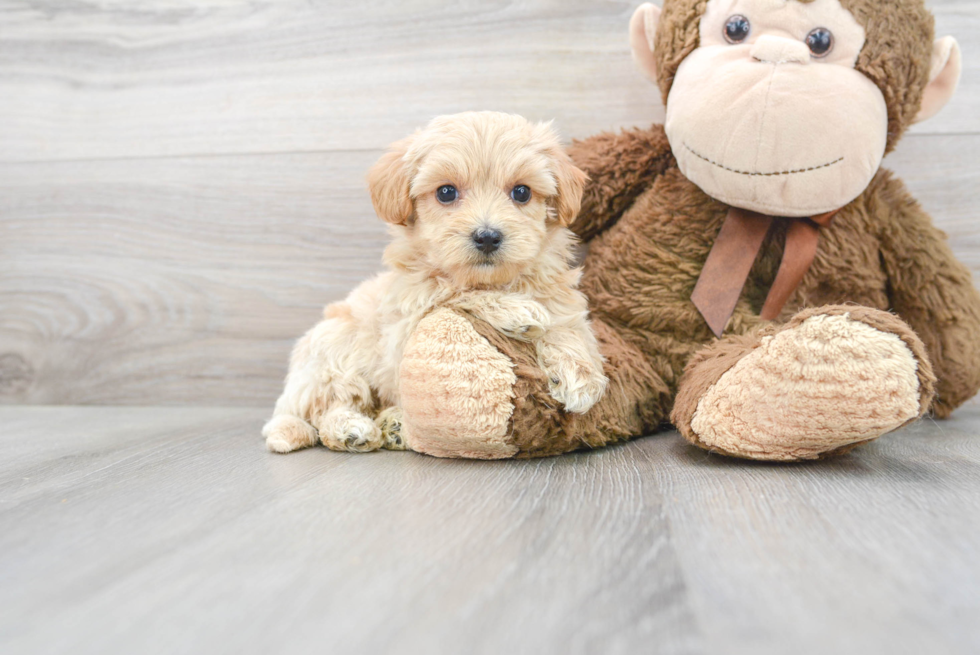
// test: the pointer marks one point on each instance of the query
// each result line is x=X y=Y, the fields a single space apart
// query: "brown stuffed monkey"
x=754 y=276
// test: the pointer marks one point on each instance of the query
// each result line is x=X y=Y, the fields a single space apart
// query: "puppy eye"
x=737 y=29
x=520 y=194
x=447 y=194
x=820 y=41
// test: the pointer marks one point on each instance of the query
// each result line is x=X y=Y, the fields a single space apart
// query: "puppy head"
x=478 y=195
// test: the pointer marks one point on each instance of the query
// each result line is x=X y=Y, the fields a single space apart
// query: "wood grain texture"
x=177 y=77
x=173 y=281
x=876 y=552
x=141 y=264
x=162 y=531
x=172 y=530
x=191 y=77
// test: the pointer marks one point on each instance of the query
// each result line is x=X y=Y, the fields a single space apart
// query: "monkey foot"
x=468 y=390
x=826 y=381
x=456 y=391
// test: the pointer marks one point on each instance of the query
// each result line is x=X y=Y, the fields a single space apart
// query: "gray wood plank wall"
x=181 y=182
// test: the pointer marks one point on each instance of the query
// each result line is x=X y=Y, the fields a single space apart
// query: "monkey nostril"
x=487 y=241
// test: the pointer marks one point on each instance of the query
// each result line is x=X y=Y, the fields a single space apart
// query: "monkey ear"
x=571 y=184
x=643 y=35
x=944 y=75
x=389 y=182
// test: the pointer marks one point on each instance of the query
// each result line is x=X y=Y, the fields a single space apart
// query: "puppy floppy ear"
x=571 y=182
x=389 y=182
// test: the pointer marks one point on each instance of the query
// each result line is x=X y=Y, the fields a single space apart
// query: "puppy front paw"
x=523 y=319
x=517 y=315
x=526 y=332
x=576 y=385
x=349 y=430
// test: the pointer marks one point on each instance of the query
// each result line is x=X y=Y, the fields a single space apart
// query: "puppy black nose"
x=487 y=241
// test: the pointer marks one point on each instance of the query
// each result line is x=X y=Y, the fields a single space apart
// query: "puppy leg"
x=326 y=391
x=289 y=428
x=285 y=433
x=344 y=428
x=517 y=315
x=568 y=354
x=570 y=358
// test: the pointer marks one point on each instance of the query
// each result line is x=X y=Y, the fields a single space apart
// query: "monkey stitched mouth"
x=760 y=174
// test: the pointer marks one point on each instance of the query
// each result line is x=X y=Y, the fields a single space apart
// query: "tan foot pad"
x=829 y=382
x=456 y=391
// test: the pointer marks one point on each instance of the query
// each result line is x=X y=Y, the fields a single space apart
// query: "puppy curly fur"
x=342 y=385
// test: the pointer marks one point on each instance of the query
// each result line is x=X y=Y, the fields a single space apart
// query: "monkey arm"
x=619 y=166
x=932 y=291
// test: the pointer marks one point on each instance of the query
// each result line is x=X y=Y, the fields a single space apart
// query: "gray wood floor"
x=137 y=530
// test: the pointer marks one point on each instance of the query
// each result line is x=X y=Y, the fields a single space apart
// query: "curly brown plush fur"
x=881 y=253
x=881 y=272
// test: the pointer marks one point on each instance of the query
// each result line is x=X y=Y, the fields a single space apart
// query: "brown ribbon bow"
x=735 y=250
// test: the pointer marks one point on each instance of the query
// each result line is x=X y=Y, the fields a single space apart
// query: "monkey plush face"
x=772 y=109
x=758 y=119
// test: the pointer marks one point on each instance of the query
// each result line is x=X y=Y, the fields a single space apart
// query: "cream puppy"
x=478 y=205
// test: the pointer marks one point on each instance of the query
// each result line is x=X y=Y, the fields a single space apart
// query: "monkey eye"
x=520 y=194
x=820 y=41
x=446 y=194
x=737 y=29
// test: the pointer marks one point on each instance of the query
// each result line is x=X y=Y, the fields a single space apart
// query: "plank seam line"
x=192 y=155
x=338 y=151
